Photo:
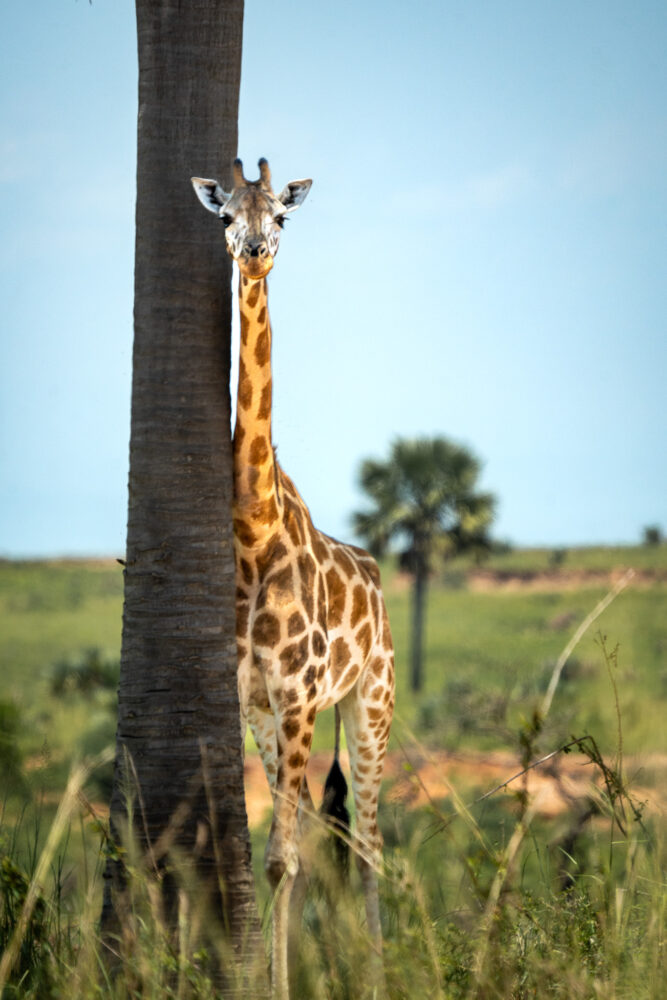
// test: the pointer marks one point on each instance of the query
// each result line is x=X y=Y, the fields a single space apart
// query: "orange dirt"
x=553 y=787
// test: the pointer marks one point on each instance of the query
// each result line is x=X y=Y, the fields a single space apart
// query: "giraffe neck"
x=257 y=501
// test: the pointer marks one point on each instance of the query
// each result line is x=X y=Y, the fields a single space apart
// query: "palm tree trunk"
x=178 y=737
x=418 y=614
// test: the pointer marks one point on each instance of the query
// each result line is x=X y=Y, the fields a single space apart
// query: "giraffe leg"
x=294 y=730
x=367 y=732
x=300 y=887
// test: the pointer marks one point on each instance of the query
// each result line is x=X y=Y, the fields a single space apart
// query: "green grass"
x=489 y=657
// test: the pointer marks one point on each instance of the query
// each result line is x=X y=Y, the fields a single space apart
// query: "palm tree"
x=423 y=497
x=178 y=723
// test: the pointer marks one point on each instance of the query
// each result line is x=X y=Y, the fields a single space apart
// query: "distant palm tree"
x=424 y=497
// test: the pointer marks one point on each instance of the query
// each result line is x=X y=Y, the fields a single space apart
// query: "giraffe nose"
x=256 y=248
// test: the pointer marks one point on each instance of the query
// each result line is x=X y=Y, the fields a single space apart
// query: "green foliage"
x=11 y=774
x=425 y=497
x=89 y=672
x=652 y=534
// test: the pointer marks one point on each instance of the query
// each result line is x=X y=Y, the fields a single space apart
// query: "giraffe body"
x=312 y=629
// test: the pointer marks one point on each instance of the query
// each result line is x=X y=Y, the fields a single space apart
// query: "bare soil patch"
x=554 y=787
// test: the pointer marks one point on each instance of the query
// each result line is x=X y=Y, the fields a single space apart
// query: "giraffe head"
x=252 y=215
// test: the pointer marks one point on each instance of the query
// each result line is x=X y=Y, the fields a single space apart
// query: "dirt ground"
x=554 y=787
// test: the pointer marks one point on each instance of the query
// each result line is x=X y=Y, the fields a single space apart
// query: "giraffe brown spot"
x=306 y=570
x=321 y=603
x=386 y=633
x=267 y=511
x=264 y=410
x=294 y=657
x=340 y=656
x=291 y=729
x=241 y=594
x=311 y=693
x=245 y=325
x=296 y=760
x=242 y=611
x=244 y=532
x=377 y=692
x=307 y=739
x=374 y=713
x=319 y=644
x=310 y=718
x=296 y=624
x=241 y=651
x=320 y=550
x=320 y=671
x=253 y=294
x=263 y=348
x=359 y=605
x=279 y=588
x=364 y=794
x=375 y=606
x=266 y=629
x=337 y=596
x=343 y=560
x=245 y=281
x=259 y=451
x=290 y=696
x=352 y=674
x=377 y=666
x=295 y=782
x=261 y=318
x=273 y=554
x=246 y=571
x=239 y=435
x=245 y=387
x=292 y=525
x=310 y=674
x=364 y=638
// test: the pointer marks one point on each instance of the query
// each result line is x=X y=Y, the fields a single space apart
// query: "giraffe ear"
x=293 y=194
x=210 y=194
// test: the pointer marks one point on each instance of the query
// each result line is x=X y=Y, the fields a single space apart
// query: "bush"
x=12 y=780
x=89 y=673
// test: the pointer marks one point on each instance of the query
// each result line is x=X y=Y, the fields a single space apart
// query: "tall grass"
x=482 y=896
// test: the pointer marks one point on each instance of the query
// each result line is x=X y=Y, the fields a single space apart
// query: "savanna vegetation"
x=551 y=886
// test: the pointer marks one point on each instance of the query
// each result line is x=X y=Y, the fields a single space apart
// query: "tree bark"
x=418 y=611
x=178 y=737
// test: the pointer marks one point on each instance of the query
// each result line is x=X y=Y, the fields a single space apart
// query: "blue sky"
x=482 y=255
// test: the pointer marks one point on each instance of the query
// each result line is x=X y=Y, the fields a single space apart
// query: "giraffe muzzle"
x=255 y=261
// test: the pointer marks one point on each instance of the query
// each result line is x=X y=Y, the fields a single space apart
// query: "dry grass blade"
x=578 y=636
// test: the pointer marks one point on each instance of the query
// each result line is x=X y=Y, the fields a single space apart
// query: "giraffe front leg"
x=294 y=731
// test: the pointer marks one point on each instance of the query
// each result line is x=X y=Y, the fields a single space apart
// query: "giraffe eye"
x=226 y=219
x=280 y=221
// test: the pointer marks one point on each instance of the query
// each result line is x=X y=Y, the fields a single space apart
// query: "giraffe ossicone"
x=312 y=628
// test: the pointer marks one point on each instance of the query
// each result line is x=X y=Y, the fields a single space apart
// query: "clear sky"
x=483 y=255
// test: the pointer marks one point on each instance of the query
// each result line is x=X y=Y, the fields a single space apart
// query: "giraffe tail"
x=333 y=807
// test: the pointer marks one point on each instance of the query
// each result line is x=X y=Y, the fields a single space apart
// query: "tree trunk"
x=418 y=613
x=178 y=738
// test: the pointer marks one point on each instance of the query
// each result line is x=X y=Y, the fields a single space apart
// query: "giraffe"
x=312 y=628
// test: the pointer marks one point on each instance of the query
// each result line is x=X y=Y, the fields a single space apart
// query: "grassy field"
x=474 y=903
